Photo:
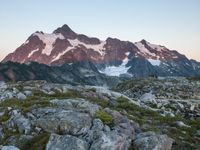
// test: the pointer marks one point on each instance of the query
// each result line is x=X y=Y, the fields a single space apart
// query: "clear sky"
x=173 y=23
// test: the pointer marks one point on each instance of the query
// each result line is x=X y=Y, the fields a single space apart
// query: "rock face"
x=112 y=56
x=151 y=141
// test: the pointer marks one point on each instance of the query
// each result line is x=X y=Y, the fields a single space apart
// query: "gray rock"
x=1 y=133
x=181 y=124
x=9 y=148
x=77 y=104
x=122 y=123
x=23 y=124
x=197 y=134
x=7 y=95
x=66 y=142
x=151 y=141
x=57 y=120
x=21 y=96
x=148 y=97
x=28 y=93
x=101 y=137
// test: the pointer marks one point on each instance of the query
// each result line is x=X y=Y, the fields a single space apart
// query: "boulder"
x=9 y=148
x=66 y=142
x=21 y=96
x=197 y=134
x=181 y=124
x=17 y=119
x=152 y=141
x=102 y=137
x=148 y=98
x=55 y=120
x=28 y=93
x=77 y=104
x=6 y=95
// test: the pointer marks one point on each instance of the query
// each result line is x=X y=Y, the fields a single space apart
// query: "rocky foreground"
x=160 y=114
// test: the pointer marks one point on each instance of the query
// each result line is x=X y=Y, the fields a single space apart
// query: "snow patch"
x=48 y=40
x=117 y=70
x=154 y=62
x=96 y=47
x=32 y=52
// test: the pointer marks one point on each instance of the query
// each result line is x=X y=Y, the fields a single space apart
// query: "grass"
x=101 y=102
x=8 y=133
x=194 y=78
x=37 y=99
x=4 y=117
x=37 y=142
x=105 y=117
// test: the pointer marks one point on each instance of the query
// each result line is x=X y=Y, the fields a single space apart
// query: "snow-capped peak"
x=48 y=40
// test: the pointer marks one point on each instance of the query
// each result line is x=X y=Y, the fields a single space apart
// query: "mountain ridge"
x=111 y=56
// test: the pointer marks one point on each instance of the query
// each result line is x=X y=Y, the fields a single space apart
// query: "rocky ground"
x=160 y=114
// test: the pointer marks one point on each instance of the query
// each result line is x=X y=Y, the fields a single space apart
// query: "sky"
x=172 y=23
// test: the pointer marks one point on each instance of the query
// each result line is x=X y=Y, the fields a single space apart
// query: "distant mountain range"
x=112 y=57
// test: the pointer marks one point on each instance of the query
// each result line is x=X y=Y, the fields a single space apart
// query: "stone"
x=21 y=96
x=181 y=124
x=148 y=97
x=1 y=133
x=28 y=93
x=55 y=120
x=150 y=140
x=197 y=134
x=7 y=95
x=9 y=148
x=77 y=104
x=23 y=124
x=66 y=142
x=101 y=137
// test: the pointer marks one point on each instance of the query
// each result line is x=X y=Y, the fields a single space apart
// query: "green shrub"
x=105 y=117
x=37 y=142
x=4 y=117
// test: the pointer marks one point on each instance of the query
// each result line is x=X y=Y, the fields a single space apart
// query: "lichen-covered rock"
x=102 y=137
x=152 y=141
x=55 y=120
x=66 y=142
x=77 y=104
x=18 y=120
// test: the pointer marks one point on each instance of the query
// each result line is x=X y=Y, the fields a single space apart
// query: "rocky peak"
x=143 y=41
x=66 y=31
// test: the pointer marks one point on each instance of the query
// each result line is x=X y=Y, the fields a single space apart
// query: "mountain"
x=76 y=74
x=112 y=56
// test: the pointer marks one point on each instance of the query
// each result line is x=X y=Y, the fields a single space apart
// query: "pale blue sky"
x=173 y=23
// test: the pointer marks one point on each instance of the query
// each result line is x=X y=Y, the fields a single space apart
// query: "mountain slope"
x=112 y=56
x=75 y=74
